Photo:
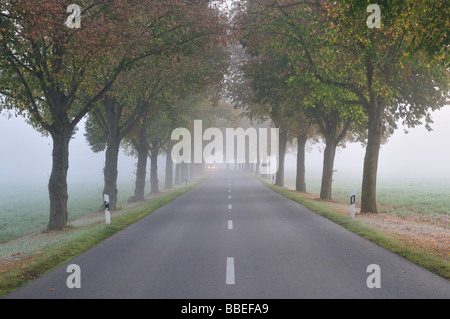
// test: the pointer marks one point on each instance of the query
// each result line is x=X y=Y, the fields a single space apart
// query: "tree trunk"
x=154 y=187
x=279 y=178
x=369 y=184
x=328 y=168
x=141 y=169
x=168 y=183
x=300 y=182
x=110 y=170
x=177 y=174
x=57 y=185
x=257 y=168
x=184 y=172
x=113 y=113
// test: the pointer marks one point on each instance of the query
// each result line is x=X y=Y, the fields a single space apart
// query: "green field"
x=24 y=209
x=429 y=198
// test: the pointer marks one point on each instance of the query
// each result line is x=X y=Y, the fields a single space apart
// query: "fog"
x=419 y=154
x=25 y=156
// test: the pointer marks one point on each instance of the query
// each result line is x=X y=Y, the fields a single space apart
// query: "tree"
x=269 y=78
x=378 y=69
x=130 y=102
x=116 y=115
x=401 y=81
x=45 y=65
x=181 y=78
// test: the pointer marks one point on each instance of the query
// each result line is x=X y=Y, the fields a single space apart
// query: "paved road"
x=231 y=237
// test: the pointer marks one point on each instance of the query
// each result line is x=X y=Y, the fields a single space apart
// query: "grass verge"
x=436 y=264
x=60 y=247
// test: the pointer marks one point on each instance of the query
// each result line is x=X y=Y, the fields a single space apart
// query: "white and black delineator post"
x=107 y=214
x=352 y=203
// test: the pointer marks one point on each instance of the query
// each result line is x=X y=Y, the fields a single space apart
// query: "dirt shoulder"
x=432 y=235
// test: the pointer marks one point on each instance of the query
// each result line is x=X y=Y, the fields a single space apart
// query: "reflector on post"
x=352 y=203
x=107 y=214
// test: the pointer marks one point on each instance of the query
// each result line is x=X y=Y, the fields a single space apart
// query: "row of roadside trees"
x=319 y=72
x=127 y=69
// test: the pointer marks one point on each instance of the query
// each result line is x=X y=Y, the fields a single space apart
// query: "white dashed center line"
x=230 y=271
x=230 y=260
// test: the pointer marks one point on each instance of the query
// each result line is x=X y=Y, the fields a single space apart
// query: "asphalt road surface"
x=233 y=238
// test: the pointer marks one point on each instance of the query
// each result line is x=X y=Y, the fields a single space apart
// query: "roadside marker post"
x=352 y=203
x=107 y=214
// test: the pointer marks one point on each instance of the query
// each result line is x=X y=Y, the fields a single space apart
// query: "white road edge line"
x=230 y=206
x=230 y=224
x=230 y=271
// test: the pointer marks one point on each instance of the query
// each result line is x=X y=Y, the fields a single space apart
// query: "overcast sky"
x=25 y=155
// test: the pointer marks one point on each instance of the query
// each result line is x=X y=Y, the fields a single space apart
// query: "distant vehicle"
x=211 y=167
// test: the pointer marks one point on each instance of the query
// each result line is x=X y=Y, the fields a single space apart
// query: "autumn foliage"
x=46 y=66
